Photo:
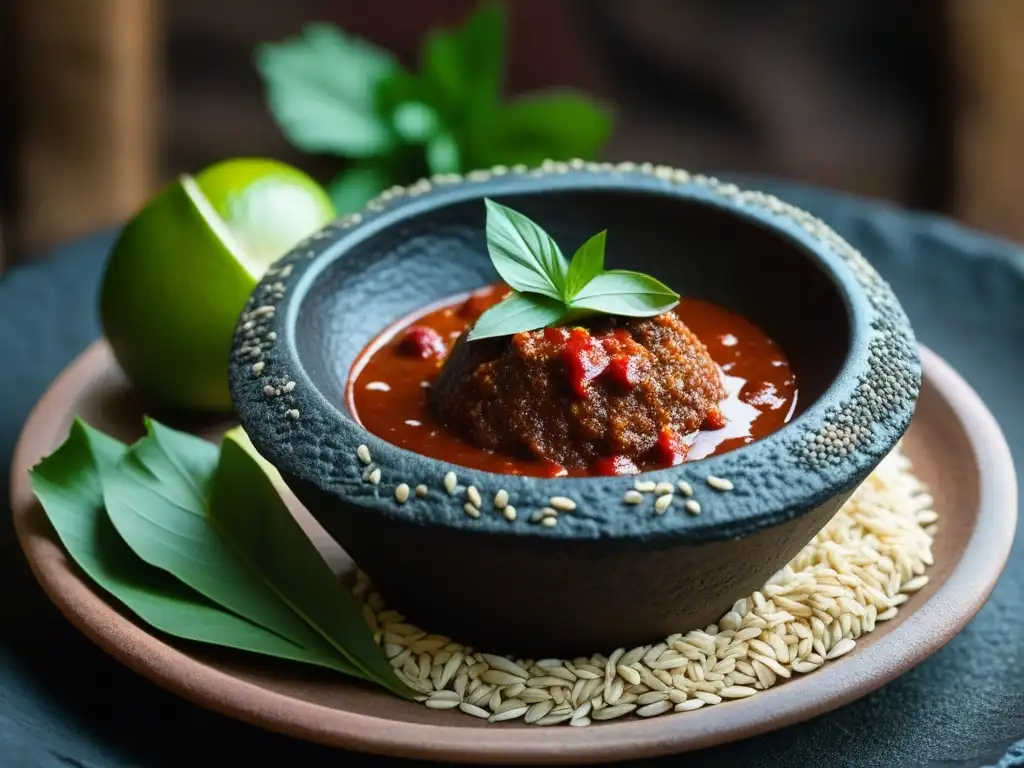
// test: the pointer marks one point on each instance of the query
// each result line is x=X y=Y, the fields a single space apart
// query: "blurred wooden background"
x=916 y=102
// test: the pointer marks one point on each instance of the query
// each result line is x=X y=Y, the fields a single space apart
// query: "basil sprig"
x=548 y=291
x=333 y=93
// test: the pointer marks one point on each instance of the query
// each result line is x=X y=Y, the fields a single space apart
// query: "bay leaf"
x=68 y=484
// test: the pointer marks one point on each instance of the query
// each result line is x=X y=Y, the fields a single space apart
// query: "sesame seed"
x=562 y=503
x=549 y=521
x=266 y=309
x=501 y=499
x=375 y=476
x=474 y=496
x=421 y=491
x=450 y=481
x=248 y=325
x=272 y=336
x=632 y=497
x=685 y=488
x=537 y=516
x=255 y=352
x=509 y=512
x=662 y=488
x=402 y=493
x=645 y=486
x=663 y=503
x=257 y=368
x=549 y=512
x=293 y=413
x=471 y=510
x=364 y=454
x=367 y=472
x=288 y=387
x=269 y=391
x=719 y=483
x=693 y=507
x=379 y=386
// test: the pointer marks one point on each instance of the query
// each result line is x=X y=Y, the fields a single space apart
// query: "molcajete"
x=610 y=573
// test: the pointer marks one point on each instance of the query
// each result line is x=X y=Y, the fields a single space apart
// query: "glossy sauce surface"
x=388 y=385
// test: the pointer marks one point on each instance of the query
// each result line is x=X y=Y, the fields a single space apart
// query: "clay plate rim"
x=928 y=620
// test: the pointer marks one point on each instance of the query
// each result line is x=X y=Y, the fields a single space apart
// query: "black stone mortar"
x=608 y=574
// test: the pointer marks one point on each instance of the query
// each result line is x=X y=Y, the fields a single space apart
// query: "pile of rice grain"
x=856 y=572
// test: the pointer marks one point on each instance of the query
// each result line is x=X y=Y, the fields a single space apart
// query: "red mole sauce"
x=389 y=386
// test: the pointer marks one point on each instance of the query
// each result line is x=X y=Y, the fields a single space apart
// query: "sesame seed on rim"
x=645 y=486
x=685 y=488
x=363 y=452
x=375 y=476
x=421 y=490
x=450 y=481
x=692 y=507
x=663 y=503
x=509 y=513
x=662 y=488
x=470 y=510
x=402 y=493
x=257 y=368
x=269 y=391
x=549 y=521
x=632 y=497
x=288 y=387
x=501 y=499
x=293 y=413
x=719 y=483
x=474 y=496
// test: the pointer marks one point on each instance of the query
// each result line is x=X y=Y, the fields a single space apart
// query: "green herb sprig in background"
x=547 y=290
x=332 y=93
x=196 y=541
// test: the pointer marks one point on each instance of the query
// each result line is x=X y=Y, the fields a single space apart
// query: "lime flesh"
x=181 y=272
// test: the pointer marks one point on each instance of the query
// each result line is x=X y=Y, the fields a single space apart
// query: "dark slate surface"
x=64 y=703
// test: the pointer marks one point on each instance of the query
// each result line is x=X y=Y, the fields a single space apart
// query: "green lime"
x=184 y=266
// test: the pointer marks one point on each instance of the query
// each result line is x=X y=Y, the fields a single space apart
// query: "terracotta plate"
x=955 y=445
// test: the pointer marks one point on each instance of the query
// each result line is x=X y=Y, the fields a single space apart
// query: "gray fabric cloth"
x=64 y=703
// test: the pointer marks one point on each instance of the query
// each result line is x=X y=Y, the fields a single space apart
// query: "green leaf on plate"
x=621 y=292
x=518 y=312
x=322 y=89
x=524 y=254
x=157 y=498
x=68 y=484
x=587 y=263
x=247 y=511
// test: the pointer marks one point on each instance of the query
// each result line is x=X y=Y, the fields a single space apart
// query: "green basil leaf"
x=321 y=88
x=157 y=498
x=247 y=511
x=587 y=263
x=68 y=484
x=356 y=186
x=524 y=254
x=415 y=122
x=518 y=312
x=621 y=292
x=556 y=125
x=464 y=67
x=443 y=154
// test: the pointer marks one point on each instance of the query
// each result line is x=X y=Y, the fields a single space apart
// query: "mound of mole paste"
x=607 y=396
